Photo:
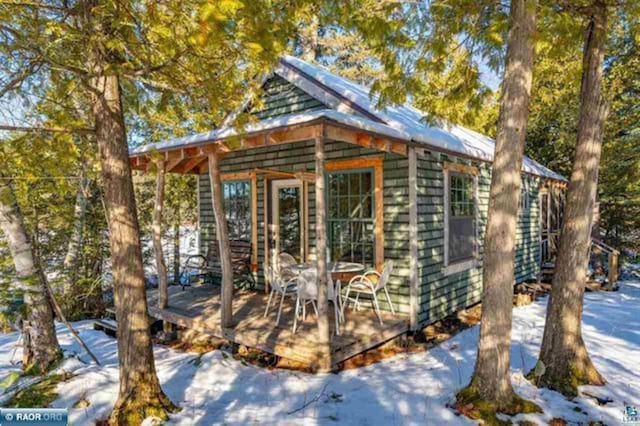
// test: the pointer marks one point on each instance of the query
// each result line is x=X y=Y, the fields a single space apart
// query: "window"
x=237 y=206
x=544 y=215
x=351 y=217
x=525 y=201
x=460 y=220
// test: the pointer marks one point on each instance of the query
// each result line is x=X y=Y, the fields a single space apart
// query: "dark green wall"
x=281 y=98
x=440 y=295
x=300 y=157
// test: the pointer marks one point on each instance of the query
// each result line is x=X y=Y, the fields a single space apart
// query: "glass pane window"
x=290 y=220
x=545 y=211
x=237 y=207
x=351 y=219
x=462 y=217
x=525 y=201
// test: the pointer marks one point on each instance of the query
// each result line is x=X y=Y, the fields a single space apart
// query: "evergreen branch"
x=34 y=4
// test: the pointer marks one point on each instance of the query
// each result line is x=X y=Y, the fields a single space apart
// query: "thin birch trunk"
x=76 y=239
x=567 y=364
x=309 y=39
x=41 y=348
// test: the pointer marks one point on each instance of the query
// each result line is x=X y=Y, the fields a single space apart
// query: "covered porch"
x=238 y=315
x=199 y=308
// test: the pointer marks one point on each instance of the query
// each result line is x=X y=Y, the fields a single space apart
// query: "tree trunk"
x=309 y=40
x=321 y=258
x=222 y=233
x=140 y=394
x=563 y=353
x=40 y=349
x=161 y=267
x=76 y=238
x=176 y=249
x=491 y=380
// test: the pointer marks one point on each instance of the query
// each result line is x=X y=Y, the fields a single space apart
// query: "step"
x=108 y=326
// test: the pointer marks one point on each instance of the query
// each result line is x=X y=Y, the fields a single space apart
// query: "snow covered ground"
x=406 y=389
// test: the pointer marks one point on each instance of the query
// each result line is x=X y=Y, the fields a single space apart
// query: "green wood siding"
x=281 y=98
x=441 y=295
x=300 y=157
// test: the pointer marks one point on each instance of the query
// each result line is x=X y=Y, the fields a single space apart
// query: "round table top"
x=333 y=267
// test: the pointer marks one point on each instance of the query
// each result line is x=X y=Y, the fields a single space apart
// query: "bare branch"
x=19 y=78
x=45 y=129
x=156 y=85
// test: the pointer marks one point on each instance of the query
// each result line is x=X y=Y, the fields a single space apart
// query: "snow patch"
x=407 y=389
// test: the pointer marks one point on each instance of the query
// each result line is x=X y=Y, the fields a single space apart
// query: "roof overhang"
x=189 y=155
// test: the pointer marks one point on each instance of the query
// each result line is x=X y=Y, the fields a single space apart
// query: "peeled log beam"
x=161 y=267
x=222 y=235
x=413 y=239
x=321 y=256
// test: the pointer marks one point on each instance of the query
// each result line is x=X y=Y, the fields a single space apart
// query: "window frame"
x=248 y=183
x=525 y=198
x=253 y=193
x=375 y=163
x=372 y=195
x=276 y=185
x=451 y=267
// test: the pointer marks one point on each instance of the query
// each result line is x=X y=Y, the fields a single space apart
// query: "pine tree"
x=490 y=385
x=563 y=353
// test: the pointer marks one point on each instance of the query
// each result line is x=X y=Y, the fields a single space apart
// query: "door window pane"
x=290 y=220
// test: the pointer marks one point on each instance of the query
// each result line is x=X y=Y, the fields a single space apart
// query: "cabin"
x=393 y=187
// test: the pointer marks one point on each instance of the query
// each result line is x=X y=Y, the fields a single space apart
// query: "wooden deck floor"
x=198 y=308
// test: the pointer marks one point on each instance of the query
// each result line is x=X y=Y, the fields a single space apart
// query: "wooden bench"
x=240 y=261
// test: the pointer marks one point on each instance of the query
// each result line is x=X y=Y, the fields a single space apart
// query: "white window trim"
x=464 y=265
x=276 y=185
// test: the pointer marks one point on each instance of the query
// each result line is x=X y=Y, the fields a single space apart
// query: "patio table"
x=333 y=267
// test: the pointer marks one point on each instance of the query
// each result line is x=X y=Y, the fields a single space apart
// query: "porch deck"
x=198 y=308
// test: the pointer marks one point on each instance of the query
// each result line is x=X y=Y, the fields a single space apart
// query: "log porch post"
x=222 y=234
x=413 y=239
x=161 y=267
x=321 y=257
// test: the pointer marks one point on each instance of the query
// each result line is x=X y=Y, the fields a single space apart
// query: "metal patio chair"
x=308 y=293
x=279 y=287
x=370 y=283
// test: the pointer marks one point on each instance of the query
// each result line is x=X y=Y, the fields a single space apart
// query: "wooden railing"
x=598 y=252
x=613 y=259
x=549 y=247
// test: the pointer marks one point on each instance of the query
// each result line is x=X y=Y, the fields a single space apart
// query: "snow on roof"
x=274 y=123
x=410 y=120
x=403 y=122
